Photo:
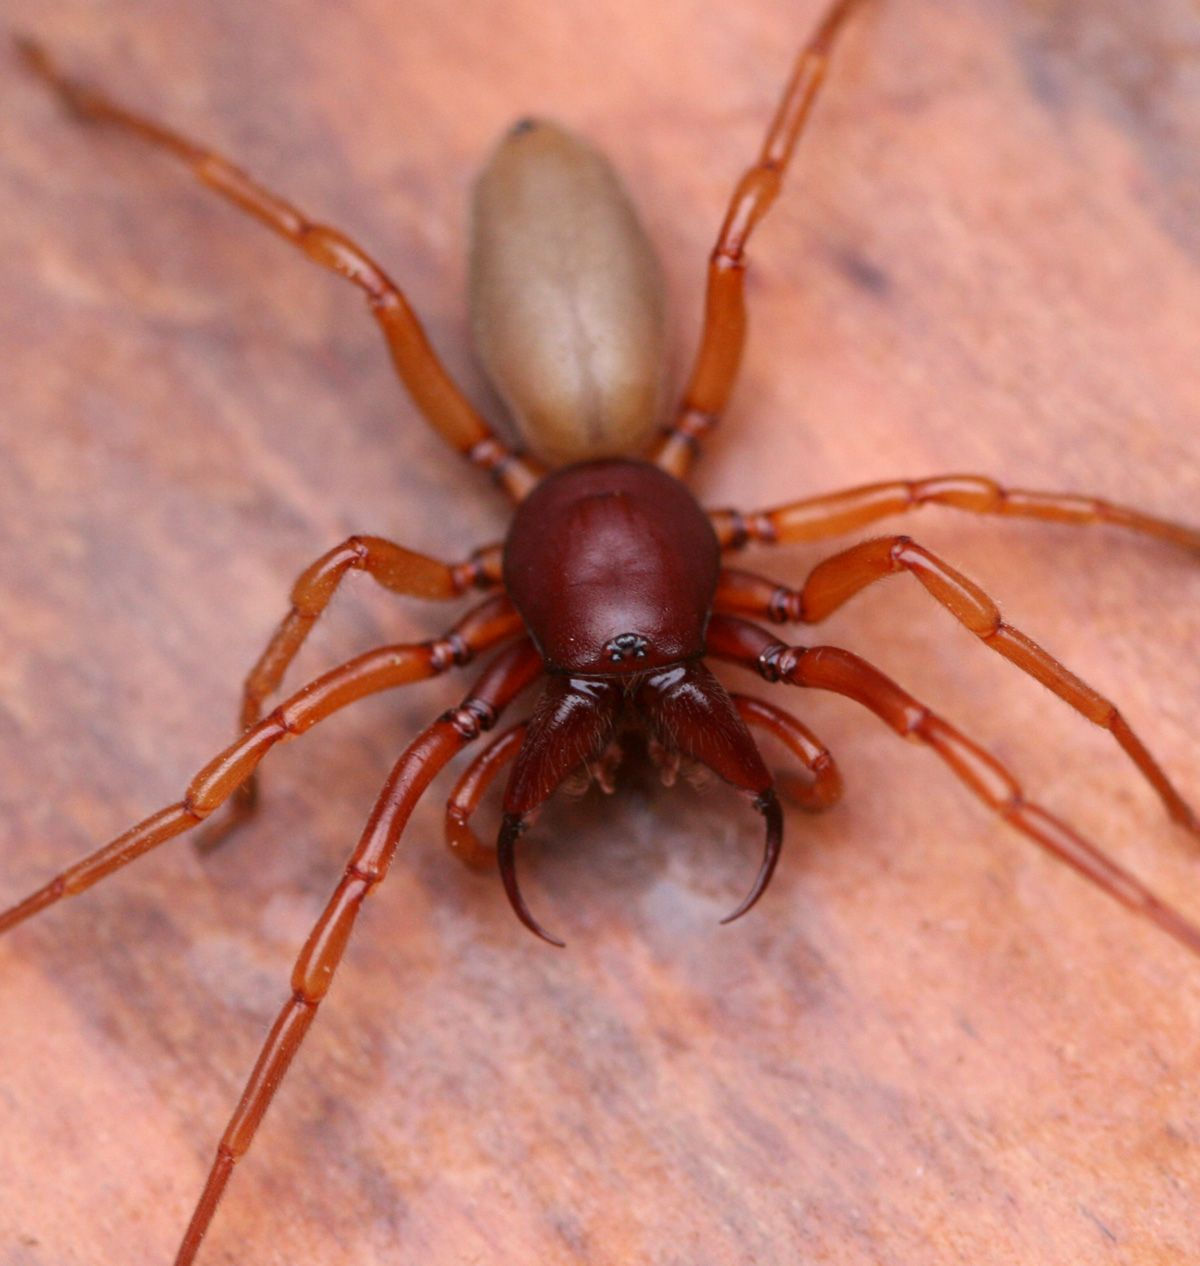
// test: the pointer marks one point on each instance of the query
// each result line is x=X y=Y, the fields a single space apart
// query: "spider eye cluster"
x=626 y=646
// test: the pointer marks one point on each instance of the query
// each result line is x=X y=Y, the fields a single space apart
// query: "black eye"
x=625 y=644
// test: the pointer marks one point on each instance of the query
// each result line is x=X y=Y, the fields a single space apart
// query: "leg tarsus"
x=239 y=809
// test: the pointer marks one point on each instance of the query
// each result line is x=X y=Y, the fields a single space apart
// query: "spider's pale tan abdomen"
x=566 y=297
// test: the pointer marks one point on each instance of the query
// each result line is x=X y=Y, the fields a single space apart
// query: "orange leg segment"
x=724 y=333
x=836 y=670
x=390 y=565
x=836 y=580
x=823 y=789
x=432 y=389
x=470 y=790
x=493 y=622
x=313 y=973
x=836 y=513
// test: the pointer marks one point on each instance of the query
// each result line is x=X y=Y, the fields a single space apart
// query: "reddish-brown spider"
x=610 y=585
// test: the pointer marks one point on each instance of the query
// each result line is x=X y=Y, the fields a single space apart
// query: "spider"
x=596 y=679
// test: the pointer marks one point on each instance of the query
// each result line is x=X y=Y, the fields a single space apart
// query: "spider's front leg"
x=492 y=622
x=507 y=676
x=831 y=668
x=836 y=580
x=397 y=569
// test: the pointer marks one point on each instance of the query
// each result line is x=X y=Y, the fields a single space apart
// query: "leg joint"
x=471 y=719
x=1010 y=807
x=729 y=257
x=451 y=651
x=286 y=724
x=900 y=545
x=360 y=551
x=476 y=572
x=369 y=877
x=491 y=456
x=739 y=530
x=916 y=720
x=785 y=606
x=778 y=662
x=998 y=627
x=192 y=808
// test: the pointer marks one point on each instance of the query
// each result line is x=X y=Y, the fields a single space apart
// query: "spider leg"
x=389 y=565
x=461 y=840
x=489 y=624
x=723 y=337
x=836 y=580
x=434 y=392
x=836 y=513
x=816 y=794
x=836 y=670
x=313 y=973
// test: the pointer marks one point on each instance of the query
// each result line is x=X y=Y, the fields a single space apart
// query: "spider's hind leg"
x=426 y=379
x=718 y=358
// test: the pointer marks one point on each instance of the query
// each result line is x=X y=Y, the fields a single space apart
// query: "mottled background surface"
x=929 y=1043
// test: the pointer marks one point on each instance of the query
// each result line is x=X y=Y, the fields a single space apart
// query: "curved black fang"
x=768 y=805
x=511 y=827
